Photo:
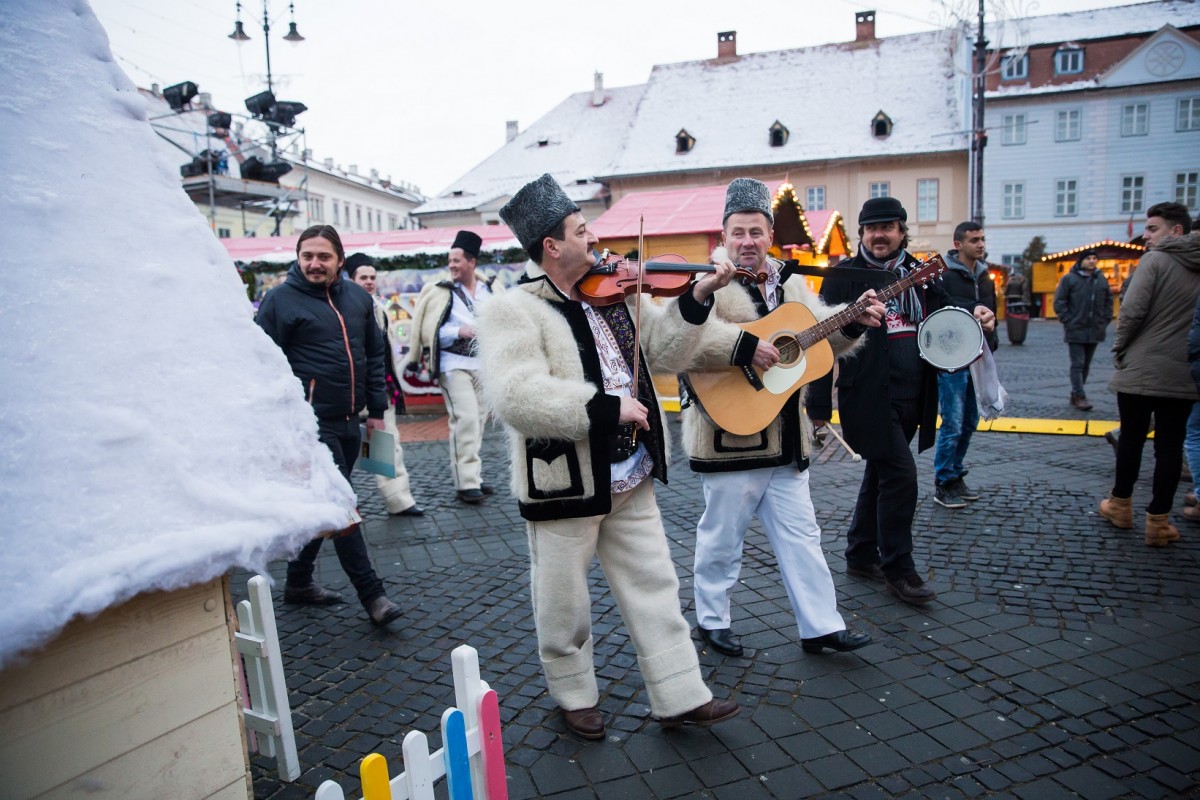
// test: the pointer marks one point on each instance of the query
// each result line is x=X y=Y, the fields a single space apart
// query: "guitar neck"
x=823 y=329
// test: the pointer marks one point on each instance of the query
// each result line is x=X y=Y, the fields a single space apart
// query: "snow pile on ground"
x=151 y=436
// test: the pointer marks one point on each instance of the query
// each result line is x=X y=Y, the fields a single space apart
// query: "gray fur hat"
x=747 y=194
x=536 y=210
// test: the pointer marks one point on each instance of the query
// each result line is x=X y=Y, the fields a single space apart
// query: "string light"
x=1135 y=248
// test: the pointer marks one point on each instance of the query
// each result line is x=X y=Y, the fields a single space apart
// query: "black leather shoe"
x=872 y=572
x=311 y=595
x=723 y=641
x=470 y=495
x=710 y=713
x=382 y=611
x=412 y=511
x=838 y=640
x=585 y=722
x=911 y=589
x=487 y=488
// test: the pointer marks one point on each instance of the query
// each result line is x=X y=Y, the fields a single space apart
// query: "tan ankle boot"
x=1159 y=531
x=1118 y=511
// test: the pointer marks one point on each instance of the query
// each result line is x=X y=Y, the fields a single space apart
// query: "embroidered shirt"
x=618 y=381
x=461 y=313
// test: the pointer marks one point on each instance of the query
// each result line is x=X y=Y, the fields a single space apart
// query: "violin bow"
x=637 y=315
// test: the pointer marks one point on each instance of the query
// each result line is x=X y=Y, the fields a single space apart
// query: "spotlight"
x=260 y=104
x=284 y=112
x=220 y=121
x=180 y=94
x=254 y=169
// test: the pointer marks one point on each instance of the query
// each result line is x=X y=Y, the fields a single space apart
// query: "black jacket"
x=332 y=341
x=863 y=396
x=966 y=290
x=1083 y=303
x=1194 y=346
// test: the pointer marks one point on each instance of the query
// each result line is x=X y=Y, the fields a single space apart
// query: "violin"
x=610 y=281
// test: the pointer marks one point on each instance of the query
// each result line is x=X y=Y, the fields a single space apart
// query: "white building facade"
x=1081 y=161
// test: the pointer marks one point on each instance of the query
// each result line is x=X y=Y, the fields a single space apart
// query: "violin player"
x=764 y=474
x=557 y=372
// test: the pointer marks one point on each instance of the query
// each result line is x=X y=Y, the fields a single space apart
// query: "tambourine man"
x=886 y=394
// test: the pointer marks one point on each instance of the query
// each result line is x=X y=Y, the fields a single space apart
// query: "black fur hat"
x=536 y=210
x=747 y=194
x=469 y=242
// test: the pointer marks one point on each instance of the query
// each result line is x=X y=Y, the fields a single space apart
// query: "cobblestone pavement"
x=1061 y=658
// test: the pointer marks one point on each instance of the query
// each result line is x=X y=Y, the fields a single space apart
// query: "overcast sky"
x=421 y=91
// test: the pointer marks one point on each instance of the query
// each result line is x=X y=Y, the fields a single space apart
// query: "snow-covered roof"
x=574 y=142
x=825 y=96
x=152 y=436
x=1099 y=23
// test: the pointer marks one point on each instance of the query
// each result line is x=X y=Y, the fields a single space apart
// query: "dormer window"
x=881 y=126
x=778 y=134
x=543 y=142
x=457 y=193
x=1068 y=61
x=684 y=141
x=1014 y=67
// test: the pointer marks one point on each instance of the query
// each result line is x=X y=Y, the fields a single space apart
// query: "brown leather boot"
x=1159 y=530
x=1118 y=511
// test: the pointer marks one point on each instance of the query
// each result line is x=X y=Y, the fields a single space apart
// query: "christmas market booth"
x=1117 y=262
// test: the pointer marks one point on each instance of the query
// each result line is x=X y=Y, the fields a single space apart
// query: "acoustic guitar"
x=744 y=400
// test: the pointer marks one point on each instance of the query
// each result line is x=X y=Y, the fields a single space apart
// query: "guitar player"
x=764 y=474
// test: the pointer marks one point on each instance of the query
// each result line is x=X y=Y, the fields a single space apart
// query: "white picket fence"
x=268 y=715
x=471 y=757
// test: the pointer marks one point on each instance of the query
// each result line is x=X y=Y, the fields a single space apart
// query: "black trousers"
x=881 y=530
x=342 y=438
x=1170 y=427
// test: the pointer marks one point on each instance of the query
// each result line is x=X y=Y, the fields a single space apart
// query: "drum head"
x=950 y=338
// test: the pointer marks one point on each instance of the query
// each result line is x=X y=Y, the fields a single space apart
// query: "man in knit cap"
x=558 y=373
x=764 y=474
x=444 y=334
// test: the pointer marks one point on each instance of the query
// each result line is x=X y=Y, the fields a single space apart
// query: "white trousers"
x=633 y=552
x=464 y=404
x=779 y=497
x=396 y=492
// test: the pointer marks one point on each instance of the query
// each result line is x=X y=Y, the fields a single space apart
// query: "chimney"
x=306 y=155
x=864 y=26
x=205 y=99
x=727 y=44
x=354 y=169
x=155 y=89
x=328 y=163
x=598 y=90
x=374 y=174
x=510 y=130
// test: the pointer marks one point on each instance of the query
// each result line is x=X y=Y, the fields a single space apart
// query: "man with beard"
x=886 y=393
x=326 y=327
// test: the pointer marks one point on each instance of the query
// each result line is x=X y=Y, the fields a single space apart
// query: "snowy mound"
x=151 y=436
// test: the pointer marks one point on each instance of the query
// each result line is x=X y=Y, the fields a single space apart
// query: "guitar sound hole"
x=789 y=349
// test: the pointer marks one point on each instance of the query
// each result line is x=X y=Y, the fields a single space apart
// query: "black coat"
x=1194 y=346
x=332 y=342
x=1083 y=303
x=863 y=397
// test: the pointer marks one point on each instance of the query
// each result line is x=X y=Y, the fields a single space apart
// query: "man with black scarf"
x=886 y=393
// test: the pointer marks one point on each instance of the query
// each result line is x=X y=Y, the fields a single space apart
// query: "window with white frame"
x=1014 y=200
x=879 y=189
x=316 y=208
x=1066 y=197
x=346 y=218
x=1186 y=184
x=393 y=222
x=1014 y=67
x=1067 y=127
x=378 y=220
x=1013 y=129
x=336 y=213
x=927 y=200
x=358 y=217
x=226 y=233
x=1068 y=61
x=815 y=198
x=1135 y=119
x=1133 y=188
x=1012 y=260
x=1187 y=116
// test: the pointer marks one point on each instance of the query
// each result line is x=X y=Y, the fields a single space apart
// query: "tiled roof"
x=1098 y=23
